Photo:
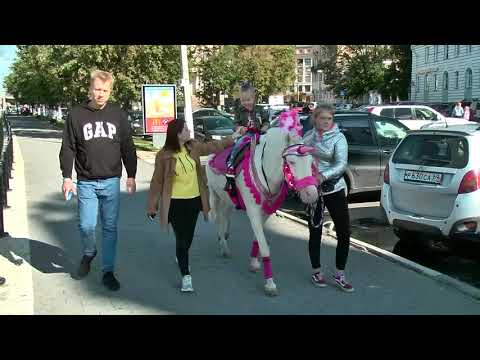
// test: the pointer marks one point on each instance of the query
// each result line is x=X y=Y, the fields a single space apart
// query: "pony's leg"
x=224 y=230
x=256 y=217
x=254 y=262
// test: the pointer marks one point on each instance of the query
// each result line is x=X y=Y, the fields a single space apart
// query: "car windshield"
x=425 y=114
x=433 y=150
x=218 y=123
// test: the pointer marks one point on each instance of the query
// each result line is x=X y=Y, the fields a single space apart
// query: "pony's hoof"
x=271 y=291
x=226 y=254
x=254 y=266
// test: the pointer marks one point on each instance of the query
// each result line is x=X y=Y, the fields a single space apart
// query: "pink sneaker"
x=342 y=283
x=318 y=280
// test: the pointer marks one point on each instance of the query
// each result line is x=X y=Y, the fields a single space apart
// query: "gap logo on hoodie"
x=97 y=130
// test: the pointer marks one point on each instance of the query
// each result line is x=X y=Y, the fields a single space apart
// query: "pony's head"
x=298 y=164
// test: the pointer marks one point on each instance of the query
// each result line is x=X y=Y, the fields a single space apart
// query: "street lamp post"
x=187 y=90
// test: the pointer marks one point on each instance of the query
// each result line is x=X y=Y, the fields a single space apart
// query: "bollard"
x=3 y=188
x=2 y=226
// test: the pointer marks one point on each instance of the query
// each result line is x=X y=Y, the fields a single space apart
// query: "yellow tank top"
x=185 y=182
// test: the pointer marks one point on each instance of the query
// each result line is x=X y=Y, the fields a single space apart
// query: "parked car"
x=210 y=112
x=212 y=127
x=25 y=111
x=365 y=107
x=371 y=139
x=135 y=119
x=416 y=116
x=432 y=182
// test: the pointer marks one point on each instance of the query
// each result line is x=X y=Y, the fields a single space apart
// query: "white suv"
x=416 y=116
x=432 y=184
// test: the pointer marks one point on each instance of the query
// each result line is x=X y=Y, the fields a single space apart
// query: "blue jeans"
x=105 y=194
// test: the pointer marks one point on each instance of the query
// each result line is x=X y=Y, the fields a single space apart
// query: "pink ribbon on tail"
x=267 y=268
x=255 y=249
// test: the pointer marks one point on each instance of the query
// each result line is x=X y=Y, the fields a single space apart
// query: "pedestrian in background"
x=98 y=137
x=466 y=111
x=331 y=153
x=179 y=184
x=458 y=110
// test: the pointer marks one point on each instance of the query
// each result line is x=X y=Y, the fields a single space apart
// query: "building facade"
x=309 y=84
x=445 y=73
x=320 y=90
x=302 y=86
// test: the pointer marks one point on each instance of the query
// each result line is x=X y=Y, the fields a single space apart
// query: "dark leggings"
x=337 y=206
x=183 y=216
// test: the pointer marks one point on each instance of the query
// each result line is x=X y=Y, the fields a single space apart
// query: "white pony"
x=280 y=161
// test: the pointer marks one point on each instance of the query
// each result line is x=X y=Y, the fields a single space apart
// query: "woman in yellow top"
x=179 y=184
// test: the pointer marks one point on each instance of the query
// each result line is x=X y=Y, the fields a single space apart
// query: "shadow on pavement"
x=45 y=258
x=150 y=277
x=39 y=134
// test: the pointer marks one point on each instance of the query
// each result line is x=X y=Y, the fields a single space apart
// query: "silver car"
x=432 y=184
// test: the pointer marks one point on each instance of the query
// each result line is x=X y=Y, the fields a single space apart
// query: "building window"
x=435 y=53
x=307 y=88
x=308 y=62
x=427 y=85
x=300 y=62
x=469 y=49
x=300 y=88
x=435 y=82
x=468 y=78
x=445 y=80
x=456 y=79
x=457 y=50
x=445 y=52
x=308 y=78
x=427 y=54
x=417 y=87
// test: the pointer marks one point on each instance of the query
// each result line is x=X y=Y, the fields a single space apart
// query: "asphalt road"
x=150 y=278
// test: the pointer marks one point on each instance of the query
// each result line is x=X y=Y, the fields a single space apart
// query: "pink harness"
x=298 y=150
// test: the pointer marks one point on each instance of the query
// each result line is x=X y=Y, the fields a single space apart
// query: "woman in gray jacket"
x=331 y=153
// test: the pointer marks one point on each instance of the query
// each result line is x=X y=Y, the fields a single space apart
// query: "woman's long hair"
x=175 y=127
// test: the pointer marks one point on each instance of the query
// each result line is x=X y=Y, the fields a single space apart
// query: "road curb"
x=464 y=288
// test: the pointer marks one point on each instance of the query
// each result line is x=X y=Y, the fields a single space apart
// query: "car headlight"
x=216 y=137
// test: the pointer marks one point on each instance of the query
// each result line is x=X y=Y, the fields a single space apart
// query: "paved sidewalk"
x=16 y=296
x=150 y=278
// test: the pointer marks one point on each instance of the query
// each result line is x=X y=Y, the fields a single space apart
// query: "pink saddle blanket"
x=218 y=163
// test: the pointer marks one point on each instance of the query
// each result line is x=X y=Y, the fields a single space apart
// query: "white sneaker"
x=187 y=284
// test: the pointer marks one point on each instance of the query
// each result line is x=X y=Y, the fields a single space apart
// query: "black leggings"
x=183 y=214
x=337 y=206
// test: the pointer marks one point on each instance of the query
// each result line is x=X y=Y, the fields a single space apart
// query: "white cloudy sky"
x=7 y=56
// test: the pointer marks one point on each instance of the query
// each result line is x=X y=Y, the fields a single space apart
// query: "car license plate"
x=423 y=177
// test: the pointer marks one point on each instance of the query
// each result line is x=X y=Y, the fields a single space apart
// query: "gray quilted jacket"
x=331 y=153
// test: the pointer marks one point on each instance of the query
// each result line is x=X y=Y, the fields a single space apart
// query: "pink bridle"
x=292 y=183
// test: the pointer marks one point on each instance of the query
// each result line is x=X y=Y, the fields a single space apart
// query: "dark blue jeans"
x=103 y=195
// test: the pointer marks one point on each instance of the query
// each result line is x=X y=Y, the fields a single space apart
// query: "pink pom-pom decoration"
x=290 y=122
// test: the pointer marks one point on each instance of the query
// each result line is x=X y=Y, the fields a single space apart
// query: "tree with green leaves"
x=359 y=69
x=53 y=74
x=270 y=68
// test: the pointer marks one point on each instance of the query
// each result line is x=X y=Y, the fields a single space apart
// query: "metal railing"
x=6 y=162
